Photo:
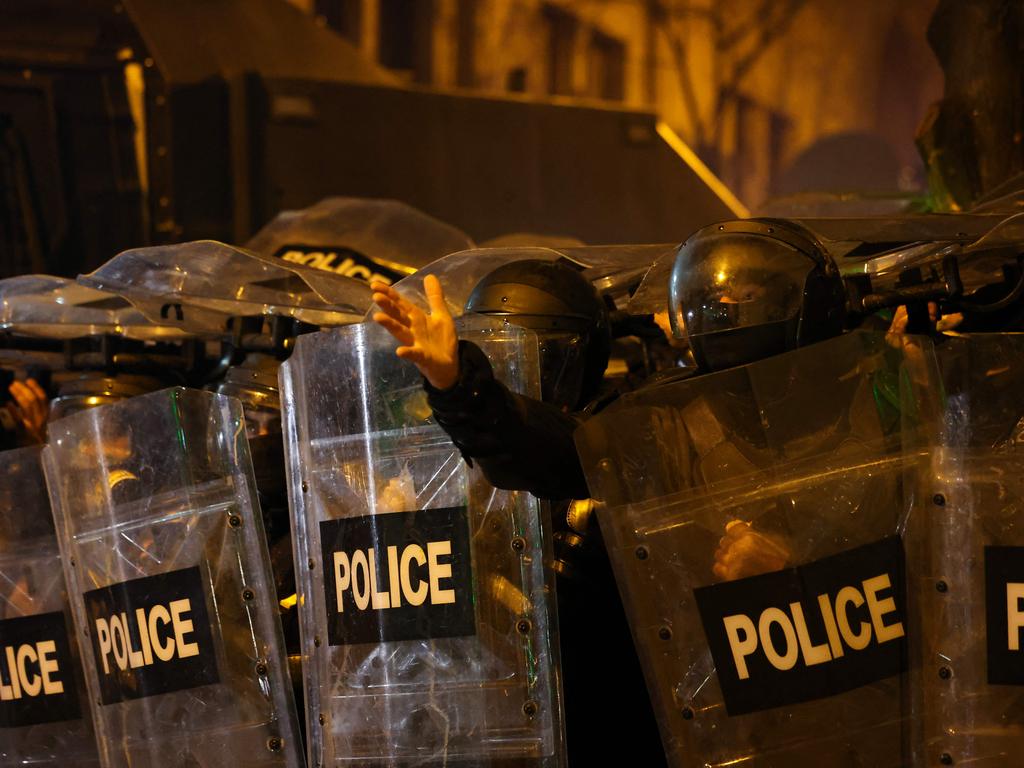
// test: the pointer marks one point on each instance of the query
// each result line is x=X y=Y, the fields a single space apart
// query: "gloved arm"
x=519 y=443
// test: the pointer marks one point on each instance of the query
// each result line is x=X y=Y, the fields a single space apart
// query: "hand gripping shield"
x=754 y=518
x=970 y=547
x=428 y=636
x=170 y=583
x=44 y=712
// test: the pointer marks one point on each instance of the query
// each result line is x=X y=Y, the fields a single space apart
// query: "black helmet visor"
x=562 y=366
x=731 y=281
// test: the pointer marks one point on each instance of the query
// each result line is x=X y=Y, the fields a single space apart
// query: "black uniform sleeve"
x=519 y=443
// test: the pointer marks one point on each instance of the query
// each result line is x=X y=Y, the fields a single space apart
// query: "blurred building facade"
x=776 y=96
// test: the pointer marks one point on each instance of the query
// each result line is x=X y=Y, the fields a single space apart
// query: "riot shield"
x=611 y=268
x=460 y=272
x=170 y=583
x=57 y=308
x=754 y=520
x=361 y=238
x=198 y=286
x=971 y=553
x=44 y=713
x=427 y=616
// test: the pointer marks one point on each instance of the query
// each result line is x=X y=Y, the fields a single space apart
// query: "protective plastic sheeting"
x=58 y=308
x=197 y=286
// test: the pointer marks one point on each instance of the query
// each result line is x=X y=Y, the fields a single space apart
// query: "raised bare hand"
x=31 y=408
x=428 y=340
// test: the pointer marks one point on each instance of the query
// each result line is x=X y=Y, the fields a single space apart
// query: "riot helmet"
x=254 y=383
x=571 y=322
x=742 y=291
x=92 y=388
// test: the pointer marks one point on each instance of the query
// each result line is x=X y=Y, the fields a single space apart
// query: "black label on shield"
x=37 y=679
x=401 y=576
x=340 y=260
x=1004 y=611
x=151 y=636
x=808 y=632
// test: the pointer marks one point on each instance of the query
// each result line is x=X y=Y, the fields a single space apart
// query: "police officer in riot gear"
x=570 y=320
x=525 y=444
x=738 y=292
x=519 y=443
x=746 y=290
x=508 y=435
x=571 y=323
x=741 y=292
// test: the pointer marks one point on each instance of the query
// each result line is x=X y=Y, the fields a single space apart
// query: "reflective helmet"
x=741 y=291
x=571 y=322
x=93 y=388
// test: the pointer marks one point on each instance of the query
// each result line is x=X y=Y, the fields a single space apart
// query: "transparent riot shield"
x=428 y=624
x=359 y=237
x=50 y=307
x=44 y=712
x=754 y=520
x=971 y=552
x=170 y=583
x=198 y=286
x=460 y=272
x=611 y=268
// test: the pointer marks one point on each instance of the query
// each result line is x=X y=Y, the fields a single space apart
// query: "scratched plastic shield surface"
x=153 y=496
x=611 y=268
x=198 y=286
x=403 y=685
x=971 y=690
x=38 y=727
x=810 y=454
x=397 y=237
x=58 y=308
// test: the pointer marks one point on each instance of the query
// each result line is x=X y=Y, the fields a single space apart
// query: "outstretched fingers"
x=22 y=395
x=397 y=329
x=435 y=296
x=413 y=354
x=392 y=308
x=378 y=287
x=427 y=340
x=389 y=294
x=37 y=390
